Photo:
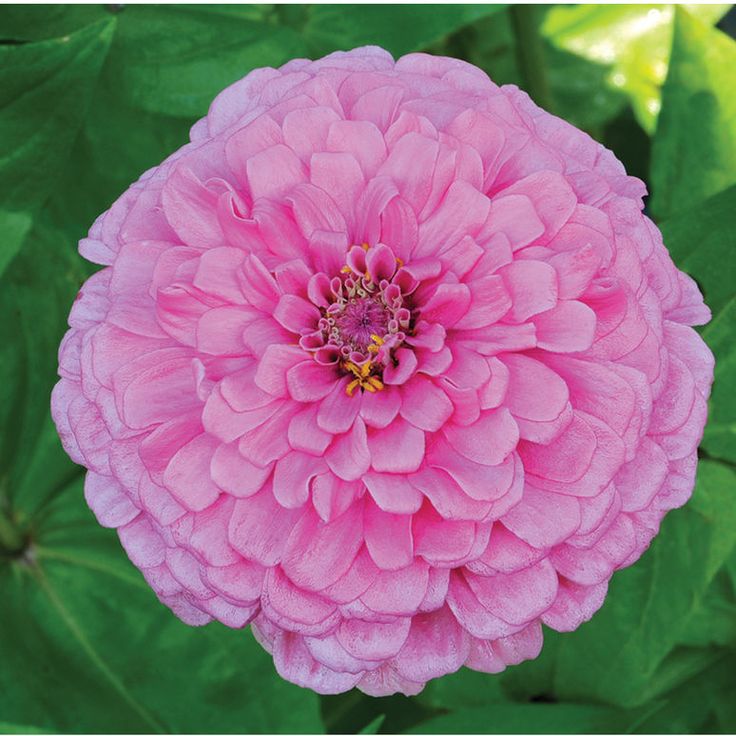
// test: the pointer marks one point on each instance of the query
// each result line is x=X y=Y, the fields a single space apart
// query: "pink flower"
x=388 y=362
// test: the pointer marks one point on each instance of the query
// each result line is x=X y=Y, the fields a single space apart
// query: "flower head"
x=388 y=363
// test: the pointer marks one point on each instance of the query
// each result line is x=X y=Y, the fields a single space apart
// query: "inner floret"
x=365 y=315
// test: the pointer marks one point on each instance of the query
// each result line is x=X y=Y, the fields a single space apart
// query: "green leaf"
x=689 y=707
x=14 y=227
x=630 y=42
x=374 y=725
x=646 y=611
x=45 y=89
x=36 y=292
x=536 y=718
x=15 y=728
x=39 y=22
x=463 y=689
x=400 y=29
x=578 y=87
x=88 y=648
x=713 y=622
x=702 y=241
x=694 y=153
x=174 y=60
x=719 y=439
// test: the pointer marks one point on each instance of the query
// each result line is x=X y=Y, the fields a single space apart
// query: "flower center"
x=361 y=318
x=365 y=317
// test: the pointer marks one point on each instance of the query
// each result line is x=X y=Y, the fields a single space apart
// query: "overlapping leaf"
x=694 y=151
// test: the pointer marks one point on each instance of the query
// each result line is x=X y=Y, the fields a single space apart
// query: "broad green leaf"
x=36 y=292
x=116 y=145
x=397 y=28
x=463 y=689
x=88 y=648
x=631 y=42
x=39 y=22
x=713 y=622
x=647 y=609
x=578 y=87
x=15 y=728
x=691 y=706
x=374 y=725
x=14 y=227
x=174 y=60
x=536 y=718
x=719 y=439
x=702 y=241
x=694 y=153
x=45 y=89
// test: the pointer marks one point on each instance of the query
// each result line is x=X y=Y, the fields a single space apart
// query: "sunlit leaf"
x=694 y=151
x=632 y=42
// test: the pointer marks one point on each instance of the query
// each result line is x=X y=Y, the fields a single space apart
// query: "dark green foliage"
x=90 y=97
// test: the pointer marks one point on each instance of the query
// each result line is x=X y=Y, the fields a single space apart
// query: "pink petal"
x=534 y=391
x=424 y=404
x=236 y=475
x=543 y=519
x=292 y=477
x=398 y=448
x=393 y=493
x=488 y=441
x=533 y=288
x=273 y=172
x=310 y=381
x=518 y=597
x=374 y=641
x=398 y=592
x=317 y=553
x=406 y=365
x=514 y=216
x=337 y=411
x=305 y=435
x=259 y=527
x=489 y=302
x=188 y=477
x=349 y=456
x=388 y=538
x=273 y=366
x=296 y=314
x=567 y=328
x=436 y=646
x=295 y=664
x=552 y=196
x=380 y=408
x=448 y=304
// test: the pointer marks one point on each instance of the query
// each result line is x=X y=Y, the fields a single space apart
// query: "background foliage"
x=90 y=97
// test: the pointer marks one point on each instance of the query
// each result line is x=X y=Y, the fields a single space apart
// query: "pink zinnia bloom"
x=388 y=363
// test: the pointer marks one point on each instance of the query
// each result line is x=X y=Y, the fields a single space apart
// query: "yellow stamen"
x=346 y=269
x=363 y=378
x=365 y=246
x=378 y=342
x=399 y=262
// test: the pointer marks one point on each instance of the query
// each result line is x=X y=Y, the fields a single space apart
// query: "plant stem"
x=530 y=55
x=11 y=538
